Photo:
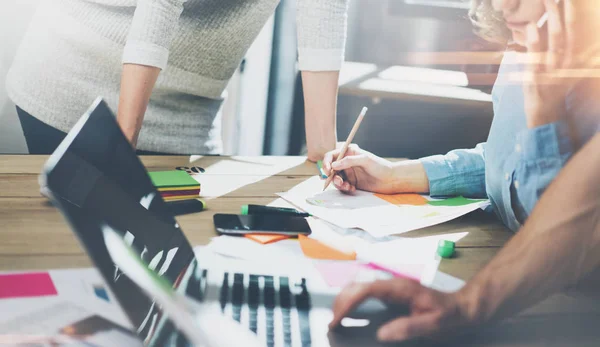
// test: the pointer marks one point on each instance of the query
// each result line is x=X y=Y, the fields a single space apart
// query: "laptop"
x=97 y=182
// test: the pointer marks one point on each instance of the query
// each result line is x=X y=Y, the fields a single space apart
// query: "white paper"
x=365 y=211
x=77 y=286
x=287 y=257
x=446 y=283
x=42 y=326
x=223 y=177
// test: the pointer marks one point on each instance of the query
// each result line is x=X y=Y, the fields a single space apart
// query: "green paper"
x=172 y=179
x=456 y=201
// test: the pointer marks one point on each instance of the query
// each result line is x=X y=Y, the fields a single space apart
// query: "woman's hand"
x=363 y=170
x=556 y=65
x=431 y=313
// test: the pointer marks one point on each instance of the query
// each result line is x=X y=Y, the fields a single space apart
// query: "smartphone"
x=233 y=224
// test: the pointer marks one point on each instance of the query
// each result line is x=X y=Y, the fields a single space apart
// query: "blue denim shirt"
x=516 y=164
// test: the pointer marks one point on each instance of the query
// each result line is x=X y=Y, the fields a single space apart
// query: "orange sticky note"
x=318 y=250
x=403 y=199
x=266 y=238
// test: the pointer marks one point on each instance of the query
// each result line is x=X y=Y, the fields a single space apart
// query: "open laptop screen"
x=95 y=179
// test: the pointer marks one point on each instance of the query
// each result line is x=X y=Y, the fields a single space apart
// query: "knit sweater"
x=73 y=52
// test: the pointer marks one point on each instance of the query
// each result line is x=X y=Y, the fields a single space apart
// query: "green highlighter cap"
x=320 y=167
x=445 y=249
x=245 y=210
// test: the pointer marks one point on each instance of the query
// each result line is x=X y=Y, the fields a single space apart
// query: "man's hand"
x=432 y=313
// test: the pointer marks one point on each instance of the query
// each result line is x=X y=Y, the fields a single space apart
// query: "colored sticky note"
x=318 y=250
x=162 y=179
x=101 y=293
x=26 y=285
x=456 y=201
x=403 y=199
x=409 y=272
x=266 y=238
x=338 y=274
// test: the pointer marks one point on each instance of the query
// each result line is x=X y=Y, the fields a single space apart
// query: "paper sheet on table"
x=376 y=215
x=222 y=177
x=446 y=283
x=82 y=287
x=403 y=255
x=332 y=274
x=65 y=323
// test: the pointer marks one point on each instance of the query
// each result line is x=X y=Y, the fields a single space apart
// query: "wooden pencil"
x=347 y=143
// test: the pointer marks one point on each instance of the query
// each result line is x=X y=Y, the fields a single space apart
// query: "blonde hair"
x=489 y=24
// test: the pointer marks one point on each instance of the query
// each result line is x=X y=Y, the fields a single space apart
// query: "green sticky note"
x=456 y=201
x=172 y=179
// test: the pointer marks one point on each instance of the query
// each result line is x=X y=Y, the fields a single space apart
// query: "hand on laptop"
x=363 y=170
x=432 y=313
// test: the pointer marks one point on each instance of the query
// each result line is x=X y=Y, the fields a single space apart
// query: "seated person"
x=527 y=270
x=538 y=126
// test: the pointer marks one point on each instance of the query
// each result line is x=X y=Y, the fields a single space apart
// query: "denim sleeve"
x=460 y=172
x=540 y=153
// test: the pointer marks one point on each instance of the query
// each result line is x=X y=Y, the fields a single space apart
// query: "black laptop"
x=96 y=179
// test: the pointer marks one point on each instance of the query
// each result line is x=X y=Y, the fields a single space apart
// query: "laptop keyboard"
x=276 y=308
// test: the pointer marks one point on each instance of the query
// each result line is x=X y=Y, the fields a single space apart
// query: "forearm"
x=409 y=176
x=137 y=82
x=320 y=104
x=558 y=247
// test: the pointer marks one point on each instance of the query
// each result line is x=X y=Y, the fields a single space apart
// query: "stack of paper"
x=380 y=215
x=175 y=185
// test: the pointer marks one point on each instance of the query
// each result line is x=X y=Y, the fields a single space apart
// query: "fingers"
x=570 y=30
x=343 y=185
x=556 y=35
x=350 y=162
x=410 y=327
x=534 y=50
x=332 y=156
x=328 y=159
x=396 y=290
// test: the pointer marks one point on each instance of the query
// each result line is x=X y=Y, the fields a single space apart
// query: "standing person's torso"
x=72 y=53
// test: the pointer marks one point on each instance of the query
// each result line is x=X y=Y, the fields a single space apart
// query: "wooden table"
x=34 y=235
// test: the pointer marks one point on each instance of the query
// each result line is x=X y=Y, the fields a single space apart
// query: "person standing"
x=164 y=65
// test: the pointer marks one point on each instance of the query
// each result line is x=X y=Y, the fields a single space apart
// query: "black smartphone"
x=233 y=224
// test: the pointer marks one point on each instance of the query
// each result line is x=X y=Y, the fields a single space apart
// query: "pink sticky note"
x=338 y=274
x=26 y=285
x=412 y=272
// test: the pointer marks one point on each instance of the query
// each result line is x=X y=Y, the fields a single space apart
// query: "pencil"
x=347 y=143
x=544 y=19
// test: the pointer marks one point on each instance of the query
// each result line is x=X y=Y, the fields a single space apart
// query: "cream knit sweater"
x=74 y=50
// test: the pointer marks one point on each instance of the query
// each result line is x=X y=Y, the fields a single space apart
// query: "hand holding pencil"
x=359 y=120
x=351 y=168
